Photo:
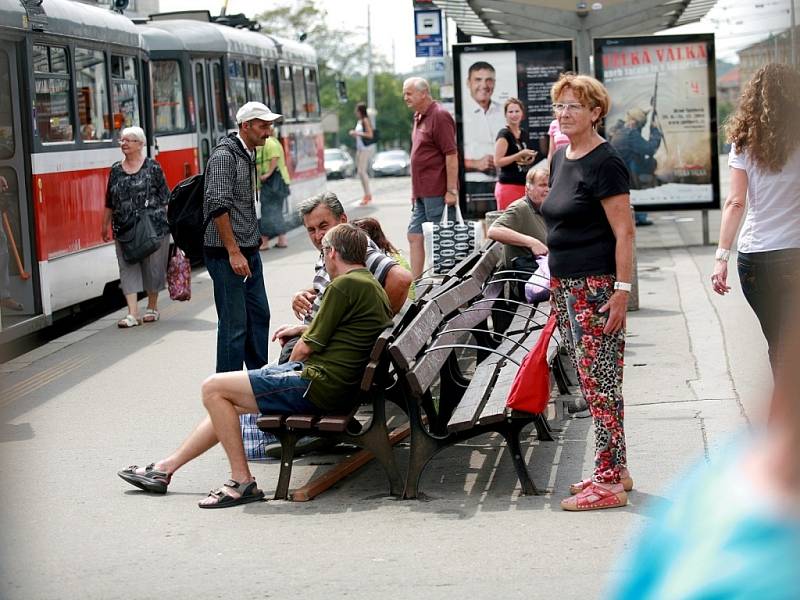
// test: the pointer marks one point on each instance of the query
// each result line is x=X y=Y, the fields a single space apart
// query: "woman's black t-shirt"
x=579 y=237
x=512 y=173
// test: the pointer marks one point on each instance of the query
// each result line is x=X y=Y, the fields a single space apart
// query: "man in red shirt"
x=434 y=165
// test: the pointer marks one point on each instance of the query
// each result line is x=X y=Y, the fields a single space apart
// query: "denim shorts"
x=279 y=389
x=426 y=210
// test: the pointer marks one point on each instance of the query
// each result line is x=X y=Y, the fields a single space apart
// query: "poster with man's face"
x=487 y=75
x=663 y=117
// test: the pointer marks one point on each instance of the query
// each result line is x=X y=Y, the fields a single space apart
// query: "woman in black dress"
x=134 y=183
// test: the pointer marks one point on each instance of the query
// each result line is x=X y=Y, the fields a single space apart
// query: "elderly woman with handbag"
x=590 y=240
x=136 y=208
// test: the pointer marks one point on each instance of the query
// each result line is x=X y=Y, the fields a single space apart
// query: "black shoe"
x=149 y=481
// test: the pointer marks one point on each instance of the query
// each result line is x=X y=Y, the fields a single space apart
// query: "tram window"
x=52 y=88
x=168 y=106
x=237 y=91
x=125 y=92
x=287 y=97
x=7 y=142
x=200 y=96
x=269 y=77
x=299 y=93
x=312 y=92
x=255 y=90
x=216 y=82
x=93 y=110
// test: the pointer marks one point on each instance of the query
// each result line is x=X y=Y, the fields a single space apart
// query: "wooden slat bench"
x=377 y=386
x=423 y=355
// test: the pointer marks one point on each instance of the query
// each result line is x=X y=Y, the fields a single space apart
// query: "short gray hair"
x=539 y=169
x=328 y=199
x=419 y=84
x=134 y=132
x=349 y=241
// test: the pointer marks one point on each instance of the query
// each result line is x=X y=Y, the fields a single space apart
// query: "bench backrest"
x=407 y=349
x=378 y=360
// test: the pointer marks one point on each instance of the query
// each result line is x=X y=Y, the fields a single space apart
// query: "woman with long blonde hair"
x=765 y=188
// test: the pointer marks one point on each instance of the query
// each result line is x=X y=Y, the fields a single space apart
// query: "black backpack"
x=185 y=216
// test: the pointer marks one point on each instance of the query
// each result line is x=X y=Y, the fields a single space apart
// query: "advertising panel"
x=663 y=118
x=486 y=75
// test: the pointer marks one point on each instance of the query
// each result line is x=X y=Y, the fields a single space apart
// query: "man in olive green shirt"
x=322 y=374
x=522 y=231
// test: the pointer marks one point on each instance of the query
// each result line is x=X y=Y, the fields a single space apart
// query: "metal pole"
x=706 y=236
x=633 y=297
x=792 y=38
x=370 y=78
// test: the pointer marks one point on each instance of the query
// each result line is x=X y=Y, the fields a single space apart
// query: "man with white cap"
x=232 y=239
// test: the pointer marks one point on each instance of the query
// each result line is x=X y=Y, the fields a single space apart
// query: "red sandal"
x=626 y=481
x=596 y=496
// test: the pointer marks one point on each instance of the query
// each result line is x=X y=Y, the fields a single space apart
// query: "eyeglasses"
x=572 y=107
x=325 y=248
x=127 y=141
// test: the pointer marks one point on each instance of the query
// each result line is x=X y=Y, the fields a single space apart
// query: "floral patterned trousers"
x=598 y=359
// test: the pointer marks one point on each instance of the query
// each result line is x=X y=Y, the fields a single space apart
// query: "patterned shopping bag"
x=179 y=276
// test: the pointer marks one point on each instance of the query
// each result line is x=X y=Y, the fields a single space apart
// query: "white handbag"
x=448 y=242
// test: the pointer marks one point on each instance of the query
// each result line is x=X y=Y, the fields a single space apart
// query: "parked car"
x=391 y=162
x=338 y=164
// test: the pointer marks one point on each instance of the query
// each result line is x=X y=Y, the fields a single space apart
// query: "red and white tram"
x=72 y=76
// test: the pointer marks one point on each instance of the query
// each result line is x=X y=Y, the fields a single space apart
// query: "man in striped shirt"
x=320 y=213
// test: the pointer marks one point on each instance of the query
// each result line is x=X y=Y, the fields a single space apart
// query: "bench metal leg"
x=376 y=440
x=511 y=434
x=543 y=430
x=560 y=374
x=422 y=449
x=288 y=440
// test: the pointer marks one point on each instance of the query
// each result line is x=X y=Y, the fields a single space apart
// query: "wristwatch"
x=453 y=191
x=621 y=285
x=722 y=254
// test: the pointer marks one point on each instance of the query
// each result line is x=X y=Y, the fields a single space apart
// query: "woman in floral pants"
x=590 y=241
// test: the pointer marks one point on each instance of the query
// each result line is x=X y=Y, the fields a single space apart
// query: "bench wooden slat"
x=405 y=348
x=451 y=300
x=465 y=414
x=301 y=421
x=270 y=421
x=487 y=264
x=335 y=422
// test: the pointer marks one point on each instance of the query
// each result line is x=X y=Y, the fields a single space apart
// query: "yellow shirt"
x=272 y=148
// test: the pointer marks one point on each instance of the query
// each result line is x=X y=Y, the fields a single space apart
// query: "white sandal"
x=128 y=321
x=151 y=315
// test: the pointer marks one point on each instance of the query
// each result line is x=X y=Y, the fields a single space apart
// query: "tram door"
x=208 y=93
x=18 y=300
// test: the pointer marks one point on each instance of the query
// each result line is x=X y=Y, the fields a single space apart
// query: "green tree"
x=343 y=55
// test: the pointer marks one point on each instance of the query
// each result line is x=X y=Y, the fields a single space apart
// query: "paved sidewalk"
x=76 y=411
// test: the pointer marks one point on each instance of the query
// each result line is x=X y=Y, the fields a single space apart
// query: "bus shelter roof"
x=560 y=19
